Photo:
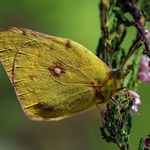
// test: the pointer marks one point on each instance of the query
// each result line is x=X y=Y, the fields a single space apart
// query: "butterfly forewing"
x=52 y=76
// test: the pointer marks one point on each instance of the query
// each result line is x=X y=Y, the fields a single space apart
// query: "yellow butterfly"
x=54 y=77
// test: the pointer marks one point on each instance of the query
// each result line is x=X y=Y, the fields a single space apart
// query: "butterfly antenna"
x=133 y=48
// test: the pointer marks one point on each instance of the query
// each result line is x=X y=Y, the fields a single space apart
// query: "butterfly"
x=54 y=77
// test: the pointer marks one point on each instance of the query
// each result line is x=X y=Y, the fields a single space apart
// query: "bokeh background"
x=77 y=20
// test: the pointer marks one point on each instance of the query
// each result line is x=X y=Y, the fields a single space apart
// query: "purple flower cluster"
x=144 y=72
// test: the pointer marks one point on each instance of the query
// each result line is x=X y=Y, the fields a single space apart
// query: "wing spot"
x=45 y=107
x=68 y=44
x=57 y=69
x=24 y=32
x=96 y=88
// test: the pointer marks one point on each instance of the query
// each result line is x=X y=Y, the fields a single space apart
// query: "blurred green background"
x=77 y=20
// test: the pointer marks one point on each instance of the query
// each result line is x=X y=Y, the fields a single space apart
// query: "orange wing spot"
x=56 y=69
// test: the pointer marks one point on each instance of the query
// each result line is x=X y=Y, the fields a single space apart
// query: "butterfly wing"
x=53 y=77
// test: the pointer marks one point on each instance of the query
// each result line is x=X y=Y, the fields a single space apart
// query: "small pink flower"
x=137 y=103
x=144 y=76
x=144 y=63
x=144 y=71
x=147 y=35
